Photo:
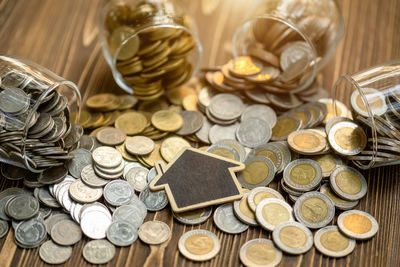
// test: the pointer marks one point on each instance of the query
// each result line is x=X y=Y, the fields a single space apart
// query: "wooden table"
x=63 y=36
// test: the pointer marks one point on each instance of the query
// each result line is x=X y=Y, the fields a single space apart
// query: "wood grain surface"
x=62 y=35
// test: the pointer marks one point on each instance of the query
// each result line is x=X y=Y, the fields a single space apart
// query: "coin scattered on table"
x=243 y=211
x=293 y=237
x=260 y=252
x=331 y=242
x=91 y=251
x=357 y=224
x=271 y=212
x=154 y=232
x=121 y=233
x=199 y=245
x=257 y=194
x=52 y=253
x=194 y=217
x=225 y=220
x=348 y=183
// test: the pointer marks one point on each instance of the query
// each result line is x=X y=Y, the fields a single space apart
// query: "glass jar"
x=374 y=96
x=36 y=131
x=296 y=36
x=151 y=46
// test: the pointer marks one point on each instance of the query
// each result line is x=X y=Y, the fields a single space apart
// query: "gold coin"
x=331 y=242
x=284 y=126
x=348 y=183
x=189 y=102
x=125 y=154
x=83 y=119
x=171 y=146
x=272 y=211
x=306 y=141
x=153 y=157
x=314 y=210
x=153 y=106
x=357 y=224
x=176 y=96
x=224 y=152
x=102 y=101
x=131 y=122
x=126 y=102
x=167 y=120
x=243 y=66
x=96 y=120
x=293 y=237
x=199 y=245
x=327 y=162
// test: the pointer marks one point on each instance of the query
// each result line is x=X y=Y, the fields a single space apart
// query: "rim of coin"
x=139 y=145
x=334 y=252
x=51 y=253
x=341 y=109
x=357 y=224
x=239 y=205
x=154 y=201
x=333 y=121
x=339 y=186
x=154 y=232
x=306 y=142
x=106 y=255
x=274 y=202
x=330 y=209
x=4 y=227
x=303 y=186
x=187 y=217
x=328 y=162
x=82 y=193
x=121 y=237
x=203 y=253
x=375 y=100
x=253 y=132
x=351 y=129
x=263 y=193
x=262 y=179
x=340 y=203
x=300 y=245
x=285 y=152
x=261 y=111
x=228 y=223
x=260 y=252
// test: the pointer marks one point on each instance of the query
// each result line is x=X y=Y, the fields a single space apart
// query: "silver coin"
x=30 y=234
x=257 y=194
x=141 y=207
x=137 y=178
x=263 y=167
x=13 y=100
x=154 y=232
x=51 y=253
x=331 y=242
x=82 y=193
x=107 y=176
x=191 y=242
x=271 y=152
x=286 y=154
x=66 y=232
x=111 y=171
x=139 y=145
x=340 y=203
x=106 y=157
x=66 y=200
x=118 y=192
x=262 y=112
x=357 y=224
x=192 y=122
x=87 y=142
x=253 y=132
x=243 y=211
x=352 y=138
x=219 y=132
x=302 y=175
x=53 y=219
x=130 y=165
x=270 y=212
x=223 y=150
x=22 y=207
x=293 y=238
x=348 y=183
x=154 y=201
x=226 y=106
x=3 y=228
x=226 y=221
x=129 y=213
x=90 y=178
x=82 y=158
x=46 y=198
x=194 y=217
x=96 y=206
x=122 y=233
x=94 y=224
x=151 y=175
x=202 y=134
x=314 y=210
x=91 y=251
x=256 y=248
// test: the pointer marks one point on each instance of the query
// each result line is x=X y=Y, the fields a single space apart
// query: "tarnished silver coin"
x=154 y=232
x=331 y=242
x=220 y=132
x=192 y=122
x=51 y=253
x=30 y=233
x=106 y=157
x=226 y=221
x=53 y=219
x=111 y=136
x=90 y=178
x=118 y=192
x=3 y=228
x=226 y=106
x=270 y=212
x=314 y=210
x=194 y=217
x=154 y=201
x=66 y=232
x=262 y=112
x=82 y=158
x=199 y=245
x=98 y=251
x=137 y=178
x=94 y=223
x=257 y=194
x=84 y=194
x=340 y=203
x=302 y=175
x=129 y=213
x=243 y=211
x=203 y=133
x=87 y=142
x=259 y=171
x=122 y=233
x=348 y=183
x=22 y=207
x=260 y=252
x=293 y=238
x=46 y=198
x=253 y=132
x=139 y=145
x=357 y=224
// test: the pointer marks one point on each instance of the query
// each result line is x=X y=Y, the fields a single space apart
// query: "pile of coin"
x=36 y=130
x=150 y=60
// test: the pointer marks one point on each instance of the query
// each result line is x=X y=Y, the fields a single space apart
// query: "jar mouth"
x=248 y=24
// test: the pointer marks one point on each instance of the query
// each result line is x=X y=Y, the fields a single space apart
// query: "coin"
x=90 y=178
x=260 y=193
x=154 y=201
x=371 y=97
x=122 y=233
x=357 y=224
x=131 y=122
x=167 y=120
x=30 y=233
x=106 y=157
x=314 y=210
x=111 y=136
x=82 y=193
x=272 y=211
x=91 y=251
x=172 y=146
x=82 y=158
x=243 y=211
x=302 y=175
x=192 y=122
x=259 y=171
x=194 y=217
x=118 y=192
x=348 y=183
x=154 y=232
x=3 y=228
x=347 y=138
x=331 y=242
x=199 y=245
x=190 y=102
x=219 y=132
x=327 y=162
x=260 y=252
x=340 y=203
x=22 y=207
x=243 y=66
x=139 y=145
x=253 y=132
x=306 y=142
x=202 y=134
x=134 y=214
x=226 y=221
x=51 y=253
x=226 y=106
x=263 y=112
x=293 y=238
x=137 y=178
x=284 y=126
x=66 y=233
x=271 y=152
x=95 y=222
x=224 y=151
x=102 y=101
x=341 y=109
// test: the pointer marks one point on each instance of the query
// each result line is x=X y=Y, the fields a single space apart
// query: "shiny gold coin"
x=306 y=142
x=102 y=101
x=167 y=120
x=357 y=224
x=243 y=66
x=284 y=126
x=176 y=96
x=131 y=122
x=172 y=146
x=190 y=102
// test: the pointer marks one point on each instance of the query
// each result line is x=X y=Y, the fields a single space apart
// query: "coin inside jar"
x=199 y=245
x=306 y=142
x=347 y=138
x=293 y=237
x=348 y=183
x=271 y=212
x=331 y=242
x=259 y=171
x=373 y=98
x=260 y=252
x=357 y=224
x=302 y=174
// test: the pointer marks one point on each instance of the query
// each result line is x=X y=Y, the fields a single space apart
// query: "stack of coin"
x=150 y=60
